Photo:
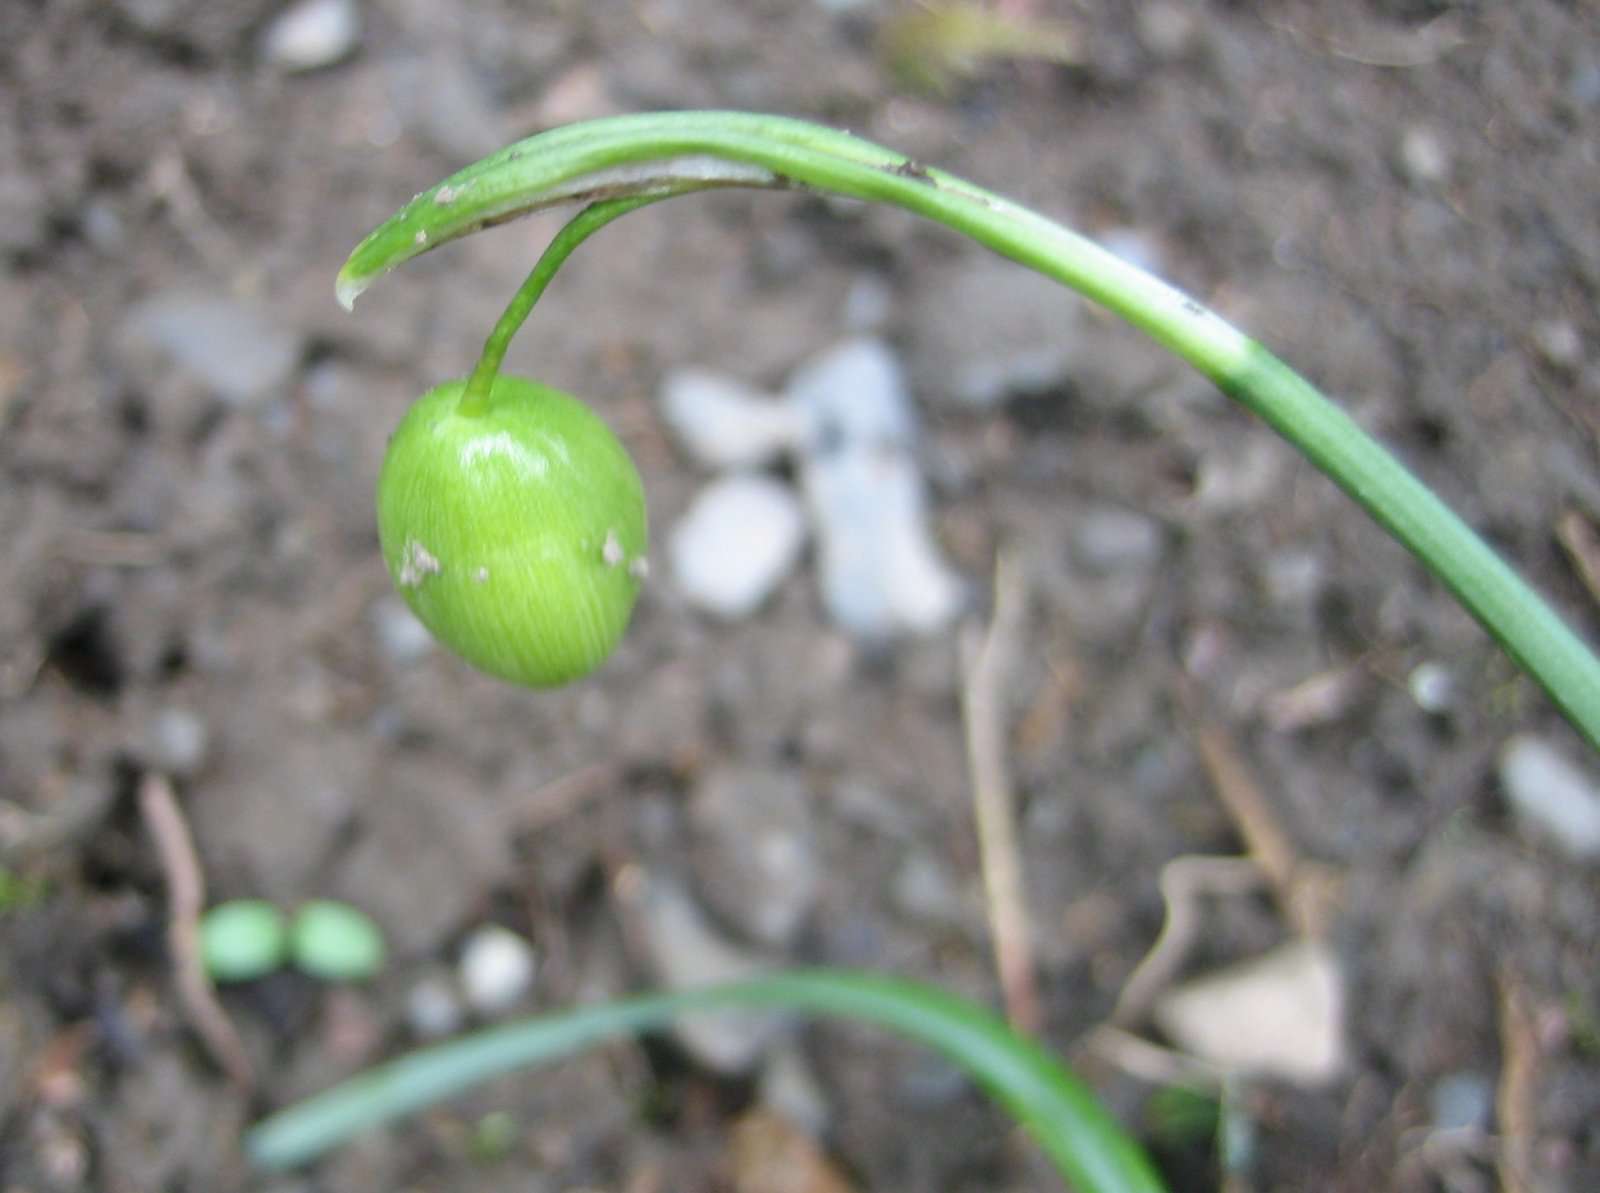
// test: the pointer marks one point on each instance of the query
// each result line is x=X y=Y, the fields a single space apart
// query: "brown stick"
x=186 y=897
x=987 y=661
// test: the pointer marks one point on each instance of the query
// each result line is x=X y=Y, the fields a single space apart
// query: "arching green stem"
x=672 y=153
x=1078 y=1135
x=475 y=397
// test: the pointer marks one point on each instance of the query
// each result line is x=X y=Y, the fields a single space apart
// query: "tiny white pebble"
x=497 y=969
x=1432 y=687
x=611 y=550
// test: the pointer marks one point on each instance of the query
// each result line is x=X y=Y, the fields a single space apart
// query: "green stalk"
x=475 y=395
x=1060 y=1114
x=653 y=156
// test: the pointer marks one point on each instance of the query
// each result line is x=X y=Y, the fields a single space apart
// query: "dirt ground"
x=1398 y=196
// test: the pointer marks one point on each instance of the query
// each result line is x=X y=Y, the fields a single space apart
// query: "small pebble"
x=1551 y=797
x=753 y=852
x=312 y=34
x=433 y=1009
x=178 y=742
x=736 y=544
x=405 y=640
x=497 y=969
x=1115 y=540
x=1423 y=157
x=723 y=423
x=686 y=952
x=1462 y=1102
x=1432 y=686
x=1559 y=342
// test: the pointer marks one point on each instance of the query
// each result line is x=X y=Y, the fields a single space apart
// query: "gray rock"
x=177 y=742
x=404 y=639
x=736 y=544
x=924 y=890
x=223 y=344
x=790 y=1088
x=312 y=34
x=1462 y=1102
x=1550 y=797
x=987 y=329
x=433 y=1008
x=685 y=952
x=1115 y=540
x=753 y=852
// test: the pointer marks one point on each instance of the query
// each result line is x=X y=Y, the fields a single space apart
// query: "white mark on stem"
x=417 y=563
x=445 y=196
x=421 y=237
x=611 y=550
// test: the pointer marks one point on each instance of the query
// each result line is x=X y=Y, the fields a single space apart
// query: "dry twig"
x=186 y=895
x=1519 y=1064
x=987 y=663
x=1580 y=541
x=1184 y=882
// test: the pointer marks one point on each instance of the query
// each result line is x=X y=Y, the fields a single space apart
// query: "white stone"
x=1432 y=686
x=497 y=969
x=1551 y=797
x=880 y=571
x=736 y=544
x=1280 y=1015
x=724 y=424
x=312 y=34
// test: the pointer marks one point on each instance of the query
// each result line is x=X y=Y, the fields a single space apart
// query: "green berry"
x=516 y=533
x=242 y=940
x=336 y=942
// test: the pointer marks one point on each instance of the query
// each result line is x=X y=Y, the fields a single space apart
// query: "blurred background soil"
x=1398 y=196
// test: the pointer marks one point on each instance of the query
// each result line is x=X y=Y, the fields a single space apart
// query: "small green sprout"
x=335 y=942
x=242 y=940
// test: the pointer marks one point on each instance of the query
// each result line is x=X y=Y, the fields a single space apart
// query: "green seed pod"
x=242 y=940
x=516 y=532
x=335 y=942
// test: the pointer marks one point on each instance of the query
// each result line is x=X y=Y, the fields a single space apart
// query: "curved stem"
x=671 y=153
x=1078 y=1135
x=475 y=395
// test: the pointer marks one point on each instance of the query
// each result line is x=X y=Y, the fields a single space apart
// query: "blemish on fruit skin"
x=417 y=563
x=611 y=550
x=639 y=569
x=481 y=576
